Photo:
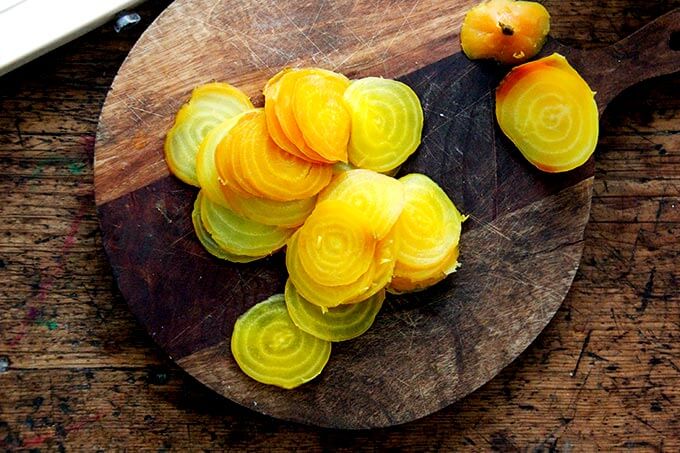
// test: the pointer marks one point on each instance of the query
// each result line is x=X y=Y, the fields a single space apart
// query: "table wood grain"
x=78 y=373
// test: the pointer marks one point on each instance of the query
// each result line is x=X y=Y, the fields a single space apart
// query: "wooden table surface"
x=78 y=373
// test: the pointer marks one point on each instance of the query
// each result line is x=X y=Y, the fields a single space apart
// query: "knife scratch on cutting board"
x=364 y=45
x=232 y=32
x=212 y=9
x=276 y=50
x=398 y=33
x=306 y=36
x=217 y=312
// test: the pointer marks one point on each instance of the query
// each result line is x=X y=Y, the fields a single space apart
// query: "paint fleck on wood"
x=4 y=363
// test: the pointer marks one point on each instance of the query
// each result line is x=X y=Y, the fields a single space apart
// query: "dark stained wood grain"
x=649 y=52
x=508 y=291
x=186 y=298
x=84 y=376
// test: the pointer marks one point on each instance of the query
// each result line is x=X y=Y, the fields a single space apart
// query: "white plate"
x=30 y=28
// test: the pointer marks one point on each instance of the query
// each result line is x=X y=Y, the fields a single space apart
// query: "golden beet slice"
x=336 y=244
x=206 y=170
x=207 y=241
x=238 y=235
x=549 y=112
x=271 y=96
x=385 y=260
x=317 y=293
x=334 y=324
x=208 y=106
x=428 y=231
x=271 y=349
x=408 y=280
x=250 y=161
x=387 y=123
x=370 y=283
x=378 y=197
x=321 y=115
x=227 y=159
x=285 y=115
x=508 y=31
x=286 y=214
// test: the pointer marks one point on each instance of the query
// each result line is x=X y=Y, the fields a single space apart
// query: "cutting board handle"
x=652 y=51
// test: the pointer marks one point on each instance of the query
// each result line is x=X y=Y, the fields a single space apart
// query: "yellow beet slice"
x=208 y=106
x=286 y=214
x=429 y=227
x=251 y=159
x=279 y=175
x=208 y=242
x=386 y=252
x=387 y=123
x=321 y=114
x=228 y=157
x=428 y=272
x=549 y=113
x=238 y=235
x=373 y=280
x=271 y=349
x=508 y=31
x=407 y=280
x=323 y=295
x=284 y=111
x=382 y=269
x=336 y=244
x=335 y=324
x=206 y=170
x=378 y=197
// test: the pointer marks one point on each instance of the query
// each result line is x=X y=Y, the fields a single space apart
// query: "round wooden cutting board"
x=519 y=250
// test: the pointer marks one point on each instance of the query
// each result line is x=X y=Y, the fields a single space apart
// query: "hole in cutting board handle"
x=674 y=40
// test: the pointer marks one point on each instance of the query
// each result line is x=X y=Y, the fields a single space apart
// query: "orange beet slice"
x=269 y=212
x=284 y=111
x=271 y=95
x=508 y=31
x=227 y=159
